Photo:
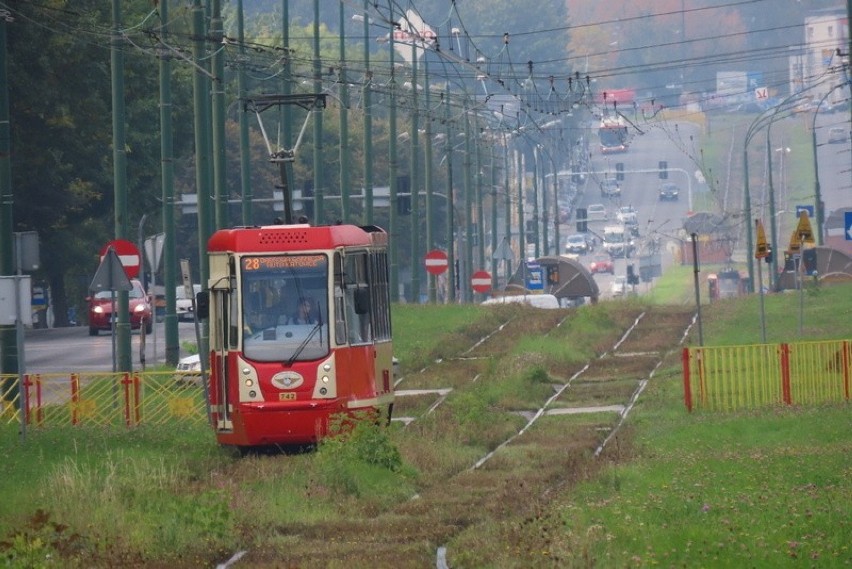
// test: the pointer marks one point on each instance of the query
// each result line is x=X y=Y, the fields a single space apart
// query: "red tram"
x=300 y=330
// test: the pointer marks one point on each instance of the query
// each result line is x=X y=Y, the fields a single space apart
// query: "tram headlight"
x=325 y=379
x=252 y=393
x=249 y=383
x=326 y=367
x=323 y=391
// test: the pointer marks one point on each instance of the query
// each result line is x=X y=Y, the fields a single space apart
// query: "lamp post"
x=759 y=122
x=819 y=207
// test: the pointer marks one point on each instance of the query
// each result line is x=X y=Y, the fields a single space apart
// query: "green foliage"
x=361 y=439
x=36 y=545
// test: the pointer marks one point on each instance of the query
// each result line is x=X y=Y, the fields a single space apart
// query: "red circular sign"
x=436 y=261
x=481 y=281
x=128 y=254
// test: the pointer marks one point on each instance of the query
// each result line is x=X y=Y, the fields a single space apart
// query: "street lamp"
x=759 y=122
x=819 y=207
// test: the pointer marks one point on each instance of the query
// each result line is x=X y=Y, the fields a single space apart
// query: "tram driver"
x=306 y=313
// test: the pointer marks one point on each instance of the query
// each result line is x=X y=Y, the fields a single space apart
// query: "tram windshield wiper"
x=307 y=339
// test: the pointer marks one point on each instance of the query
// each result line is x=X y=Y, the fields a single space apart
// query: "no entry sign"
x=436 y=261
x=128 y=254
x=481 y=281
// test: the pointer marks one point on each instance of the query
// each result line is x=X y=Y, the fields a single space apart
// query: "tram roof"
x=298 y=237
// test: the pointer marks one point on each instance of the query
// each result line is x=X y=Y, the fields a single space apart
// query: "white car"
x=596 y=212
x=183 y=305
x=188 y=370
x=619 y=286
x=536 y=300
x=627 y=215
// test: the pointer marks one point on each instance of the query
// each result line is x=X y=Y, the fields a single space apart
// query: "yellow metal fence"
x=105 y=399
x=727 y=378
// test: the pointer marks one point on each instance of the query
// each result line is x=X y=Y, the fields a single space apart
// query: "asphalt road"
x=59 y=350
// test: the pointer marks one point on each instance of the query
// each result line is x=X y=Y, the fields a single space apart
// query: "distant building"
x=825 y=32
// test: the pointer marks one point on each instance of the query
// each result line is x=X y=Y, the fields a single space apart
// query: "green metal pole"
x=392 y=168
x=508 y=206
x=427 y=177
x=345 y=188
x=217 y=85
x=414 y=157
x=773 y=230
x=202 y=157
x=245 y=148
x=368 y=122
x=319 y=190
x=749 y=234
x=468 y=211
x=285 y=112
x=545 y=219
x=451 y=245
x=556 y=238
x=493 y=186
x=480 y=207
x=536 y=218
x=122 y=328
x=170 y=322
x=8 y=333
x=522 y=228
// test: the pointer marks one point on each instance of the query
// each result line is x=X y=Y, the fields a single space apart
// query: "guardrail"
x=727 y=378
x=102 y=399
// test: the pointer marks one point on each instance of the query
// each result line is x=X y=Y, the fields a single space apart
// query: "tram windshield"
x=285 y=307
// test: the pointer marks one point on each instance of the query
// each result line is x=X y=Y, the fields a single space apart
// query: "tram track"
x=557 y=447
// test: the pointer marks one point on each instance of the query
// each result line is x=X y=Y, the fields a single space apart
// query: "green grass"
x=766 y=488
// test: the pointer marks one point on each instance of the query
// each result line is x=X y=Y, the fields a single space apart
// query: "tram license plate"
x=289 y=396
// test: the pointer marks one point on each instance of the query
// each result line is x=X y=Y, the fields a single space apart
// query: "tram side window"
x=339 y=301
x=380 y=301
x=357 y=299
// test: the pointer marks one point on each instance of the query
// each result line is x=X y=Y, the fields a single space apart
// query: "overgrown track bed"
x=495 y=471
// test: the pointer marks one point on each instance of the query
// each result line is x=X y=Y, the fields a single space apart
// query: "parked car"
x=188 y=370
x=183 y=305
x=619 y=286
x=602 y=264
x=100 y=309
x=836 y=135
x=610 y=188
x=596 y=212
x=669 y=192
x=578 y=244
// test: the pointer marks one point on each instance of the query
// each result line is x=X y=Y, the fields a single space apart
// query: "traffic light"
x=530 y=230
x=582 y=224
x=632 y=277
x=575 y=174
x=403 y=195
x=619 y=171
x=809 y=258
x=664 y=169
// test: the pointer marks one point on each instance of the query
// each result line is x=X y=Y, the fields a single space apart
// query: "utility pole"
x=8 y=334
x=217 y=119
x=202 y=158
x=119 y=157
x=319 y=190
x=344 y=126
x=245 y=148
x=392 y=166
x=368 y=122
x=451 y=224
x=167 y=173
